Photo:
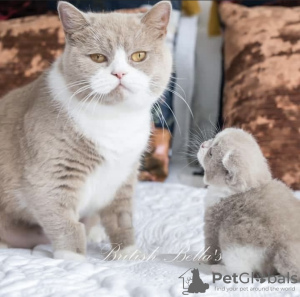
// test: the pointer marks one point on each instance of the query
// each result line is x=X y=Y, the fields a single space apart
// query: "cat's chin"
x=128 y=97
x=120 y=95
x=116 y=96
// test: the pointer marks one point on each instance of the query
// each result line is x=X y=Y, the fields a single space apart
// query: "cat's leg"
x=287 y=260
x=95 y=232
x=64 y=230
x=117 y=220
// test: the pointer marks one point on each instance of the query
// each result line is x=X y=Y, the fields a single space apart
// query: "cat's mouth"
x=121 y=86
x=120 y=92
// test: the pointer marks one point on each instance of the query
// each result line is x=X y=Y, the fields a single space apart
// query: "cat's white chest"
x=120 y=142
x=100 y=187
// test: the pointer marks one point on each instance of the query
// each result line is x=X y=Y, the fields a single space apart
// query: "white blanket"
x=168 y=217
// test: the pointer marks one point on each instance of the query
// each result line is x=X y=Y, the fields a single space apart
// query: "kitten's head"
x=233 y=160
x=116 y=57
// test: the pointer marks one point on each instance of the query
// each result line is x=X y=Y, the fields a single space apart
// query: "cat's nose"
x=119 y=75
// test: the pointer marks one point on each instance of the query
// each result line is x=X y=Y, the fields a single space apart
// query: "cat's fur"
x=71 y=140
x=252 y=219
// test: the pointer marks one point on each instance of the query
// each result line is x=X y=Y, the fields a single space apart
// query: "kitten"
x=71 y=140
x=252 y=219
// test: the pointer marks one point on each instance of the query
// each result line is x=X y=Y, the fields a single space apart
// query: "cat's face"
x=233 y=160
x=116 y=57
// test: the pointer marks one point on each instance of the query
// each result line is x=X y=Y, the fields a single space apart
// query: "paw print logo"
x=193 y=284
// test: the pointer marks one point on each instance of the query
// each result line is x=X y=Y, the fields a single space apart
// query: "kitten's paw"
x=97 y=234
x=129 y=253
x=68 y=255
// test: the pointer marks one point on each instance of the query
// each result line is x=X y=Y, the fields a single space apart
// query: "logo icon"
x=193 y=284
x=259 y=278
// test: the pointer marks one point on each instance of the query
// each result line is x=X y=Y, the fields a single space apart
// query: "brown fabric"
x=262 y=81
x=156 y=161
x=27 y=47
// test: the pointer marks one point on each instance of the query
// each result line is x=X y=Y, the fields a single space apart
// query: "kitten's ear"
x=158 y=16
x=233 y=165
x=71 y=18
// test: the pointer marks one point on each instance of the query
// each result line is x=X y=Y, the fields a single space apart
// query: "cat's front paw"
x=129 y=253
x=97 y=234
x=68 y=255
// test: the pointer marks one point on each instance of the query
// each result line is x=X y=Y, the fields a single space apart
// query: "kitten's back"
x=260 y=216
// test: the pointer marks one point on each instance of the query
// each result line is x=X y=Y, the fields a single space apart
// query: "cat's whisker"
x=192 y=150
x=215 y=128
x=80 y=90
x=188 y=164
x=203 y=133
x=158 y=115
x=175 y=118
x=98 y=98
x=193 y=144
x=163 y=117
x=175 y=77
x=88 y=104
x=188 y=154
x=85 y=99
x=177 y=84
x=59 y=112
x=178 y=95
x=57 y=95
x=196 y=137
x=73 y=84
x=95 y=104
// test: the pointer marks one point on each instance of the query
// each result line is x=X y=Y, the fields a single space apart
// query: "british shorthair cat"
x=250 y=218
x=71 y=141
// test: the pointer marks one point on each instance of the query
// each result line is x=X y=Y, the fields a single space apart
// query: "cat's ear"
x=71 y=18
x=234 y=166
x=158 y=17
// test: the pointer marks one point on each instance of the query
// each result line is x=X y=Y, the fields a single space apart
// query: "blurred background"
x=236 y=63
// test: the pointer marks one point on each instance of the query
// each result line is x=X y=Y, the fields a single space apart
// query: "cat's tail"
x=287 y=260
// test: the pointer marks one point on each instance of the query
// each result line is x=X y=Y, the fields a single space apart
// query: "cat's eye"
x=210 y=152
x=98 y=58
x=138 y=56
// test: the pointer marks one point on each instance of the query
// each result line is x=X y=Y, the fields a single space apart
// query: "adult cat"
x=71 y=140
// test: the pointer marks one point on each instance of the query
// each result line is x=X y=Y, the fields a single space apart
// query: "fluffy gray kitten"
x=252 y=219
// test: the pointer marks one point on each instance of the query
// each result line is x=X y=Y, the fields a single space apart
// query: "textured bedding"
x=168 y=220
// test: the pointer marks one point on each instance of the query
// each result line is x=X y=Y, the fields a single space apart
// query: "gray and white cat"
x=252 y=219
x=71 y=140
